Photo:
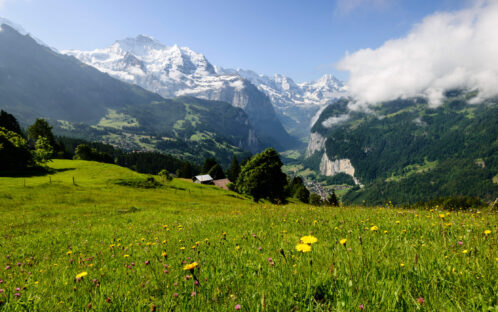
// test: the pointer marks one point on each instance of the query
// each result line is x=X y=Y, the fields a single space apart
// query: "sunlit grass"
x=94 y=244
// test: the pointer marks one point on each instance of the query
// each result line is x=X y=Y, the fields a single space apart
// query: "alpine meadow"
x=158 y=156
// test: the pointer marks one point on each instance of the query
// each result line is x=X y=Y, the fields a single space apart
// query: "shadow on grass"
x=32 y=172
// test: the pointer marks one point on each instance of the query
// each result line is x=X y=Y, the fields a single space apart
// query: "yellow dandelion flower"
x=487 y=232
x=193 y=247
x=465 y=251
x=402 y=265
x=126 y=256
x=343 y=241
x=309 y=239
x=303 y=247
x=385 y=232
x=82 y=274
x=164 y=254
x=237 y=247
x=190 y=266
x=69 y=252
x=442 y=216
x=374 y=228
x=397 y=222
x=182 y=248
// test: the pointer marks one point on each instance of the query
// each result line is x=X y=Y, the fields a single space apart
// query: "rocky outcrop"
x=332 y=167
x=316 y=144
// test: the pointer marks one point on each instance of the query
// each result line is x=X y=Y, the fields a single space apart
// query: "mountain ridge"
x=81 y=101
x=174 y=71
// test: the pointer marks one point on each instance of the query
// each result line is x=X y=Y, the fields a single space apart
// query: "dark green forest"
x=406 y=151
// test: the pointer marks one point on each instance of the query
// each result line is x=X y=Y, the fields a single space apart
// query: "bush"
x=315 y=199
x=165 y=176
x=14 y=152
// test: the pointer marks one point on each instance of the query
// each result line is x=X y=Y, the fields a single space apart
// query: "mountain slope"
x=36 y=81
x=406 y=151
x=178 y=71
x=295 y=103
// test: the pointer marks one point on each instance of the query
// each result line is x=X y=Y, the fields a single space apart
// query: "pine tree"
x=41 y=128
x=234 y=171
x=216 y=172
x=333 y=200
x=187 y=171
x=208 y=164
x=9 y=122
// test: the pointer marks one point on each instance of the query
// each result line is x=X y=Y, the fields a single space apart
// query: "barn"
x=222 y=183
x=203 y=179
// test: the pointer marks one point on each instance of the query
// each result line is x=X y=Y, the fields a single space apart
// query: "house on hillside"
x=222 y=183
x=203 y=179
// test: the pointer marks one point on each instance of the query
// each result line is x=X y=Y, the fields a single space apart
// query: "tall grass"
x=133 y=244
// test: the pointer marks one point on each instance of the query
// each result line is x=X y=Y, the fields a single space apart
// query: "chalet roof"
x=204 y=178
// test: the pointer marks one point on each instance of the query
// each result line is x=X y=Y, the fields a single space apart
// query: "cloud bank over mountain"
x=447 y=50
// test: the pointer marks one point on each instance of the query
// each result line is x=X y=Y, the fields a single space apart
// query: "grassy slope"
x=42 y=222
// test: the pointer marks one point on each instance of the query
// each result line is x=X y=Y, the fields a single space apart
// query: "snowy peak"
x=140 y=45
x=284 y=92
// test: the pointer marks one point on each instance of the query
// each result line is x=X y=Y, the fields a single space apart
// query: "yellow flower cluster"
x=191 y=266
x=303 y=247
x=82 y=274
x=305 y=242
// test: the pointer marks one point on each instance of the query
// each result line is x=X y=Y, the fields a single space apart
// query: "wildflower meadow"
x=80 y=239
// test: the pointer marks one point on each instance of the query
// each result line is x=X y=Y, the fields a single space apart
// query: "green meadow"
x=110 y=241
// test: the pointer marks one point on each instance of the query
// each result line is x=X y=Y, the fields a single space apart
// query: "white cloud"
x=329 y=122
x=445 y=51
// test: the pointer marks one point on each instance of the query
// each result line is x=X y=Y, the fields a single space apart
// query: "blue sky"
x=298 y=38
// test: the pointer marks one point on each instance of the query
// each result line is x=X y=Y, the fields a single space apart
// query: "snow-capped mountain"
x=295 y=103
x=284 y=92
x=173 y=71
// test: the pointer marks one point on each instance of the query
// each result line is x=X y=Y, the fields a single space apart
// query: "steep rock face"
x=295 y=103
x=315 y=144
x=331 y=168
x=173 y=71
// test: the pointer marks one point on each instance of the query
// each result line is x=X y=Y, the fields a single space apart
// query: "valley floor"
x=96 y=245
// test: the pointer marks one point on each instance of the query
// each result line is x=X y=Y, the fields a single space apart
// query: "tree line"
x=259 y=176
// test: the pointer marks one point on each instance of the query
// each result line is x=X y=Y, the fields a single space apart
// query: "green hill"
x=116 y=240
